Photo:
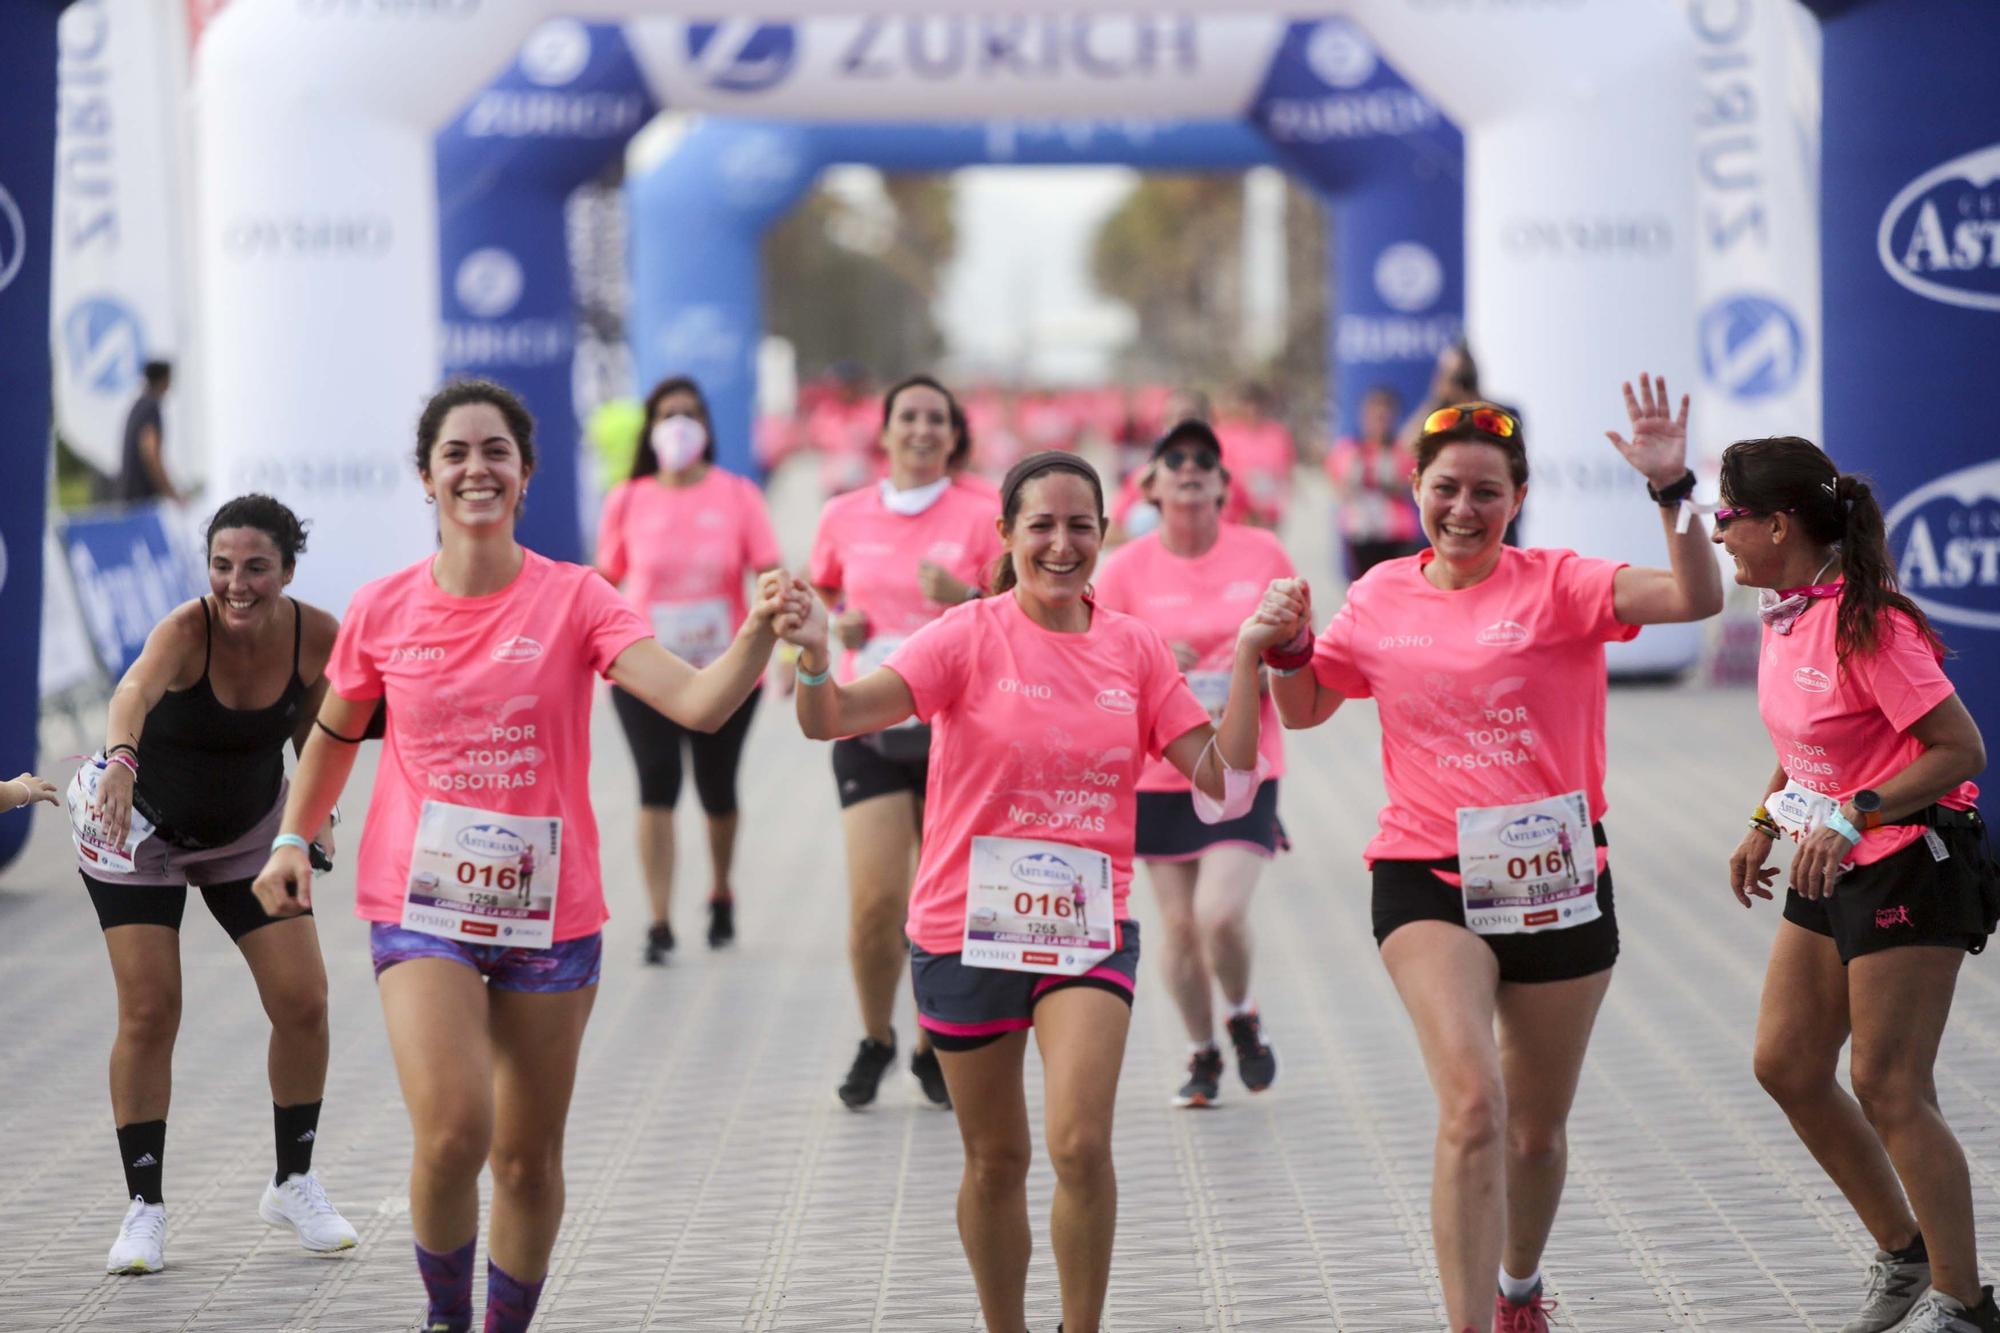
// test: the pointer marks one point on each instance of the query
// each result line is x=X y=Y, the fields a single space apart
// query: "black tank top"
x=208 y=773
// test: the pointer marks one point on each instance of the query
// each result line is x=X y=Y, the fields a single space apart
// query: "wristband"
x=110 y=750
x=1839 y=824
x=122 y=758
x=1670 y=495
x=1294 y=655
x=291 y=840
x=1768 y=828
x=814 y=677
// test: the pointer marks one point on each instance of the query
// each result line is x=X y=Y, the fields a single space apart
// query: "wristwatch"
x=1868 y=804
x=1670 y=495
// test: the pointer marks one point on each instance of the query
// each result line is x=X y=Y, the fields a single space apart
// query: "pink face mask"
x=678 y=441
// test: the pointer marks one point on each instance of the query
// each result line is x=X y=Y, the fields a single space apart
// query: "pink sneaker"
x=1529 y=1316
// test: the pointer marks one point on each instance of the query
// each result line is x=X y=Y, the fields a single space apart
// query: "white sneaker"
x=302 y=1205
x=141 y=1243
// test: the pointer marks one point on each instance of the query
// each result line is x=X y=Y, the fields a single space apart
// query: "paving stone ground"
x=714 y=1182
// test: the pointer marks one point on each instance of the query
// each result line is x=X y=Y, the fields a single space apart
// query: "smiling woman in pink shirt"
x=483 y=657
x=1892 y=883
x=682 y=537
x=890 y=558
x=1486 y=663
x=1045 y=710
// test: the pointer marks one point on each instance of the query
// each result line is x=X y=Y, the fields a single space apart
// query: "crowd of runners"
x=1019 y=712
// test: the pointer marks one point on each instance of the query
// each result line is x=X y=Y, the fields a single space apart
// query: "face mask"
x=678 y=442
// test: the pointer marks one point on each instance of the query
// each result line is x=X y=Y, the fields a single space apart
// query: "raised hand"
x=803 y=622
x=1658 y=447
x=1284 y=613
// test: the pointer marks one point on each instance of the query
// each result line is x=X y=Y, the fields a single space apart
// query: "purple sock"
x=448 y=1281
x=510 y=1303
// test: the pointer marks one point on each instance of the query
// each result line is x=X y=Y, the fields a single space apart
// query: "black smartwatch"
x=1671 y=495
x=1868 y=804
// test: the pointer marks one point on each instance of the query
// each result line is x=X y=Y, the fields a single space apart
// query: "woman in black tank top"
x=194 y=759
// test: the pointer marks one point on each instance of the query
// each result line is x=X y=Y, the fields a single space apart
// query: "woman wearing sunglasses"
x=1891 y=883
x=1196 y=579
x=1487 y=665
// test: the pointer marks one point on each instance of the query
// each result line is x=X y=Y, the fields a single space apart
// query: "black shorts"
x=1169 y=829
x=964 y=1008
x=233 y=906
x=1908 y=898
x=863 y=772
x=1407 y=891
x=656 y=748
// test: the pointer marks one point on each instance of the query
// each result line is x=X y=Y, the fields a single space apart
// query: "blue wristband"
x=289 y=840
x=816 y=677
x=1839 y=823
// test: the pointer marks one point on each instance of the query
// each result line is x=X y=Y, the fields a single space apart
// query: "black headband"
x=1048 y=460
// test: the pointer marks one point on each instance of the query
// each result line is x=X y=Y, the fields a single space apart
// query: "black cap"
x=1191 y=431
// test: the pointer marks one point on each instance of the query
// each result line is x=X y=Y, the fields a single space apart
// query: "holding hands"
x=1282 y=619
x=780 y=594
x=804 y=622
x=1658 y=447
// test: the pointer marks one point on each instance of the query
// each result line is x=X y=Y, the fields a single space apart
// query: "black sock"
x=1913 y=1253
x=297 y=1127
x=141 y=1146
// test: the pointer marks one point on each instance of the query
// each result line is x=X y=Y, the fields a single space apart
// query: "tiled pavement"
x=715 y=1183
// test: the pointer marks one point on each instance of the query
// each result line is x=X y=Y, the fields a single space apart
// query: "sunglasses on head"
x=1487 y=420
x=1725 y=516
x=1207 y=460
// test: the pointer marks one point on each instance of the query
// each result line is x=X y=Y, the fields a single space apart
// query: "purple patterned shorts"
x=564 y=965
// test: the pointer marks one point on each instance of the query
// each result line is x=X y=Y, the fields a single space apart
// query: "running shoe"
x=1204 y=1080
x=142 y=1240
x=302 y=1205
x=1529 y=1316
x=1255 y=1060
x=1936 y=1312
x=659 y=943
x=871 y=1060
x=1893 y=1287
x=930 y=1076
x=721 y=921
x=426 y=1324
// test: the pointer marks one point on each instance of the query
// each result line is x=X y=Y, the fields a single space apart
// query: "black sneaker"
x=924 y=1064
x=659 y=943
x=1204 y=1081
x=871 y=1060
x=1255 y=1060
x=721 y=922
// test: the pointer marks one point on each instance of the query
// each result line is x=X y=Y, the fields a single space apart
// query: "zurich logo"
x=491 y=840
x=1940 y=235
x=1408 y=277
x=1945 y=532
x=1530 y=831
x=742 y=56
x=1340 y=54
x=488 y=282
x=556 y=53
x=1044 y=868
x=13 y=239
x=1751 y=346
x=104 y=345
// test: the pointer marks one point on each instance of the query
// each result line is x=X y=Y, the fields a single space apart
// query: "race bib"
x=873 y=654
x=1800 y=811
x=1528 y=868
x=1034 y=906
x=94 y=845
x=1211 y=691
x=695 y=632
x=484 y=877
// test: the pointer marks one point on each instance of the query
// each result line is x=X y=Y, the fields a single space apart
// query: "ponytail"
x=1003 y=579
x=1871 y=578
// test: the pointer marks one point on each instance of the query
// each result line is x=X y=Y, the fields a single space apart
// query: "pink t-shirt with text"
x=870 y=556
x=489 y=707
x=1034 y=734
x=1201 y=602
x=674 y=545
x=1838 y=731
x=1489 y=695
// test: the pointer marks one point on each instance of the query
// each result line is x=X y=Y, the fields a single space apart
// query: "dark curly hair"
x=269 y=516
x=457 y=394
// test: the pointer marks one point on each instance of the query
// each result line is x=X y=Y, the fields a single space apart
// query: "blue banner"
x=131 y=566
x=506 y=168
x=1910 y=254
x=27 y=175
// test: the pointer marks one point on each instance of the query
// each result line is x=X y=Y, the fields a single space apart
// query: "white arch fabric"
x=318 y=255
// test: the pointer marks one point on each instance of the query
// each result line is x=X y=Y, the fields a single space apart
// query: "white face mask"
x=678 y=442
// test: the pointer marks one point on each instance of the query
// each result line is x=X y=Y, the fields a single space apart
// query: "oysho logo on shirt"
x=415 y=652
x=1404 y=641
x=1812 y=680
x=1026 y=689
x=1504 y=632
x=519 y=649
x=1242 y=588
x=1116 y=701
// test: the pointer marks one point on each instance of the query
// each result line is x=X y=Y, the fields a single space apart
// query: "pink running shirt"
x=1201 y=602
x=1260 y=456
x=1489 y=695
x=1839 y=732
x=678 y=544
x=1034 y=734
x=489 y=706
x=870 y=556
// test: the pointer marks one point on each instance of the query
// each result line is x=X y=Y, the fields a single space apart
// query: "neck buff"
x=1780 y=608
x=916 y=500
